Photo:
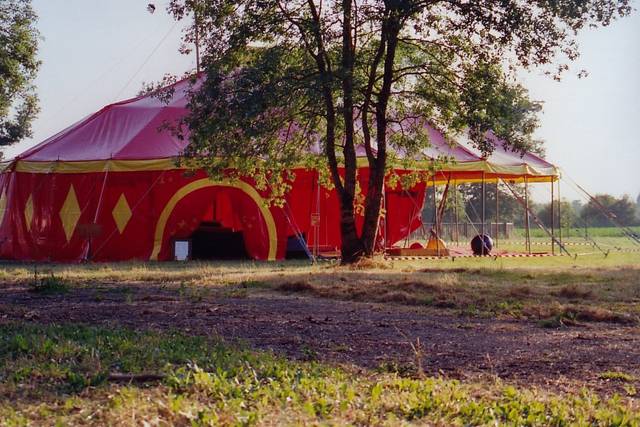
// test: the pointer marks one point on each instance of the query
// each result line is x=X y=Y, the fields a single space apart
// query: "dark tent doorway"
x=211 y=241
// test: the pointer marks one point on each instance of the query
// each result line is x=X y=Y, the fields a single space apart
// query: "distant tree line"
x=578 y=215
x=575 y=214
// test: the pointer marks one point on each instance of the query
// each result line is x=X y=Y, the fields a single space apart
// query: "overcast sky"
x=96 y=52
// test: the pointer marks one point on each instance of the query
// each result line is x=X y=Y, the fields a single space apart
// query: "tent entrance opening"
x=213 y=241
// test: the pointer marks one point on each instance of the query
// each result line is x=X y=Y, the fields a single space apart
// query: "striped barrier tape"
x=453 y=257
x=511 y=242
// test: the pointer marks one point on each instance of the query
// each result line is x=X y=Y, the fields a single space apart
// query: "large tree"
x=285 y=75
x=18 y=67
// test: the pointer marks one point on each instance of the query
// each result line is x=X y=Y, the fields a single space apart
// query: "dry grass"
x=593 y=295
x=371 y=263
x=556 y=314
x=573 y=291
x=295 y=287
x=596 y=289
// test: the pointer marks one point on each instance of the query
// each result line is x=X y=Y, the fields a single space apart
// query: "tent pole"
x=384 y=217
x=553 y=220
x=483 y=206
x=88 y=253
x=526 y=218
x=435 y=214
x=455 y=188
x=559 y=214
x=497 y=213
x=537 y=220
x=316 y=225
x=296 y=230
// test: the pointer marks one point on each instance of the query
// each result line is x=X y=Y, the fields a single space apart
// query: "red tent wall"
x=51 y=216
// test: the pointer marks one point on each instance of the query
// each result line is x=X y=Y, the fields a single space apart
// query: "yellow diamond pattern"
x=28 y=212
x=70 y=213
x=3 y=206
x=121 y=213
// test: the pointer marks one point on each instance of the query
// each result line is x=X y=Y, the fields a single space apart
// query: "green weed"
x=60 y=377
x=49 y=284
x=617 y=376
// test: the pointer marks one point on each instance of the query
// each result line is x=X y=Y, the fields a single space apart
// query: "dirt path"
x=365 y=335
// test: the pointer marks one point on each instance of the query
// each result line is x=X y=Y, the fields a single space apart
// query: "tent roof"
x=504 y=160
x=127 y=136
x=126 y=130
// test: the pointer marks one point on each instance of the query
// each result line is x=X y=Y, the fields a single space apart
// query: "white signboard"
x=181 y=250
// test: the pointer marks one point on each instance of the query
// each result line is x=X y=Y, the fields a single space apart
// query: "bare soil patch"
x=376 y=336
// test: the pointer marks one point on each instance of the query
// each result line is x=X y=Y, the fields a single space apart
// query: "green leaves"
x=18 y=68
x=490 y=102
x=289 y=80
x=263 y=105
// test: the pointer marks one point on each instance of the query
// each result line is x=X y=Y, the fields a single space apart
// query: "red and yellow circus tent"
x=107 y=189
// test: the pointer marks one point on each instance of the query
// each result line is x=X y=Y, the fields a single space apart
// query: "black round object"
x=481 y=244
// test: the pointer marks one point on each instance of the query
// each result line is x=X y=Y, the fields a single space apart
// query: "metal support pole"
x=559 y=214
x=483 y=206
x=435 y=206
x=88 y=255
x=526 y=218
x=553 y=220
x=497 y=213
x=455 y=188
x=384 y=218
x=533 y=215
x=316 y=219
x=435 y=215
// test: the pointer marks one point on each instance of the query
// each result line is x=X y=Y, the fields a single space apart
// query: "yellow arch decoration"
x=206 y=183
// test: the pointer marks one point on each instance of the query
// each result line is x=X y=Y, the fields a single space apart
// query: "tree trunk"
x=373 y=204
x=352 y=249
x=377 y=167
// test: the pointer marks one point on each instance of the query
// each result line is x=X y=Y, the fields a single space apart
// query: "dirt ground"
x=363 y=335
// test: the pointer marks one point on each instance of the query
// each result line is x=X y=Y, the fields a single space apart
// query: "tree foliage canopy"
x=284 y=76
x=622 y=208
x=570 y=217
x=18 y=68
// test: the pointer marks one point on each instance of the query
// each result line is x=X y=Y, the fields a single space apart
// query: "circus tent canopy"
x=109 y=188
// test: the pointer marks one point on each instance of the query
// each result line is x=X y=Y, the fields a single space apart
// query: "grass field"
x=59 y=374
x=594 y=232
x=594 y=240
x=150 y=344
